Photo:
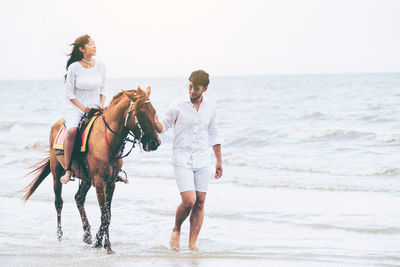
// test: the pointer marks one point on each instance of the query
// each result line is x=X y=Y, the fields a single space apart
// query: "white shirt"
x=194 y=131
x=85 y=84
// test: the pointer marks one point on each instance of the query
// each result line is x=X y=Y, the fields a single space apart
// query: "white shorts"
x=195 y=179
x=72 y=118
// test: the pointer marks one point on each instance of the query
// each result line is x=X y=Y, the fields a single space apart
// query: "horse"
x=129 y=112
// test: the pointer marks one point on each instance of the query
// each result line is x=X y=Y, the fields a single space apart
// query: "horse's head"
x=140 y=118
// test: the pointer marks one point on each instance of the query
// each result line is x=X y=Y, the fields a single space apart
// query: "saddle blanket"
x=62 y=133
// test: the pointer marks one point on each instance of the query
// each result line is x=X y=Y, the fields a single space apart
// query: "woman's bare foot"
x=65 y=178
x=174 y=243
x=193 y=247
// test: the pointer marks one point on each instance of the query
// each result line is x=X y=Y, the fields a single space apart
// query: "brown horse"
x=129 y=112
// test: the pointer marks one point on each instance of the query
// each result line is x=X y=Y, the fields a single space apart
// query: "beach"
x=311 y=177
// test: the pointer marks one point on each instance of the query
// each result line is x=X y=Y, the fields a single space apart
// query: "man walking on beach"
x=195 y=129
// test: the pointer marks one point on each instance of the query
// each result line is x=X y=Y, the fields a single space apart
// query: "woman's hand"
x=86 y=109
x=100 y=107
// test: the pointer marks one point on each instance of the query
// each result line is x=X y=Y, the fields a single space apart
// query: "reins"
x=126 y=139
x=130 y=132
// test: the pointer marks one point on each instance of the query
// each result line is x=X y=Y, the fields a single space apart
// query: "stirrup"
x=118 y=179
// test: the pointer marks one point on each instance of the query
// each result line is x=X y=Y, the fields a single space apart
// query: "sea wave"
x=347 y=134
x=330 y=187
x=358 y=229
x=310 y=135
x=264 y=138
x=253 y=141
x=365 y=171
x=313 y=115
x=33 y=145
x=6 y=125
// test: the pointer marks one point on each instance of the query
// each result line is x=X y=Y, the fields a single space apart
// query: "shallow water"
x=311 y=177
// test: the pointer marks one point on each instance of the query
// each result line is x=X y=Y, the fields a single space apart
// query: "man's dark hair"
x=199 y=78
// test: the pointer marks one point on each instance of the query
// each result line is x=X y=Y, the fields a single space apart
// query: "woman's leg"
x=68 y=148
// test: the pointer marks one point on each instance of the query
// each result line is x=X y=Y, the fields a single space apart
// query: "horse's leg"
x=102 y=199
x=80 y=203
x=57 y=171
x=110 y=191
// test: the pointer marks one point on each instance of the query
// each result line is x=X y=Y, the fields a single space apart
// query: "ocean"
x=311 y=177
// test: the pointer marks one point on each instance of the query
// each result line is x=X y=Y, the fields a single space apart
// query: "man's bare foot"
x=193 y=247
x=122 y=179
x=174 y=243
x=65 y=178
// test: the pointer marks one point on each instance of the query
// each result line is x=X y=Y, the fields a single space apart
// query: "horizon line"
x=223 y=75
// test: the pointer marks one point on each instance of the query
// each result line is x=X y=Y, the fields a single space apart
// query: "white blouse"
x=85 y=84
x=194 y=131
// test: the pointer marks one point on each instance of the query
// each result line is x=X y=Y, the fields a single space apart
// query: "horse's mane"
x=138 y=95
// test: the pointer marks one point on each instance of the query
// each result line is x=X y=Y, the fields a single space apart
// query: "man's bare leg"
x=182 y=212
x=196 y=219
x=69 y=146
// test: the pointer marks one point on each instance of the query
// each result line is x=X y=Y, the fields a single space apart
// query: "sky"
x=174 y=37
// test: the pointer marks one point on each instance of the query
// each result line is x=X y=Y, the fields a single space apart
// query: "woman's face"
x=90 y=48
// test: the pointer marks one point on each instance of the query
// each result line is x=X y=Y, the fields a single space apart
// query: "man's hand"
x=156 y=119
x=158 y=124
x=218 y=170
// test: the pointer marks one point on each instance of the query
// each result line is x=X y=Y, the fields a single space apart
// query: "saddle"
x=84 y=129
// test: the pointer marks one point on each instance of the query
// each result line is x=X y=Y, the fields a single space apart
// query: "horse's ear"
x=148 y=91
x=128 y=95
x=139 y=89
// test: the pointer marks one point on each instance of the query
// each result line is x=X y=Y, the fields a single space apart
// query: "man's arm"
x=168 y=121
x=218 y=157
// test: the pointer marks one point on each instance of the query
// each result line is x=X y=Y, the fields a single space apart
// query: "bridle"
x=136 y=122
x=119 y=154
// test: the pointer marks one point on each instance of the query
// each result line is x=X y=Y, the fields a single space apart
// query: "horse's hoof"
x=59 y=235
x=97 y=245
x=109 y=250
x=87 y=237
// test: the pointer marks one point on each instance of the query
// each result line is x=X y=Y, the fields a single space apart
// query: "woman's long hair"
x=76 y=54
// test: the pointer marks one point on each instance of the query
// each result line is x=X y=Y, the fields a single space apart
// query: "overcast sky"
x=173 y=37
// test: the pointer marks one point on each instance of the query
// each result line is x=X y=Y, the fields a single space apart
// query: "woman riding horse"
x=84 y=90
x=130 y=112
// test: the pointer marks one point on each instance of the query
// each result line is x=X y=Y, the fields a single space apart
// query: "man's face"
x=195 y=92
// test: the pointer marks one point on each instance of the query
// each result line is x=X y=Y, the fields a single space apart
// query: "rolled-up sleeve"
x=169 y=118
x=213 y=134
x=103 y=79
x=70 y=83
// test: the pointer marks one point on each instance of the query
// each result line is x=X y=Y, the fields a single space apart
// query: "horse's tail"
x=42 y=170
